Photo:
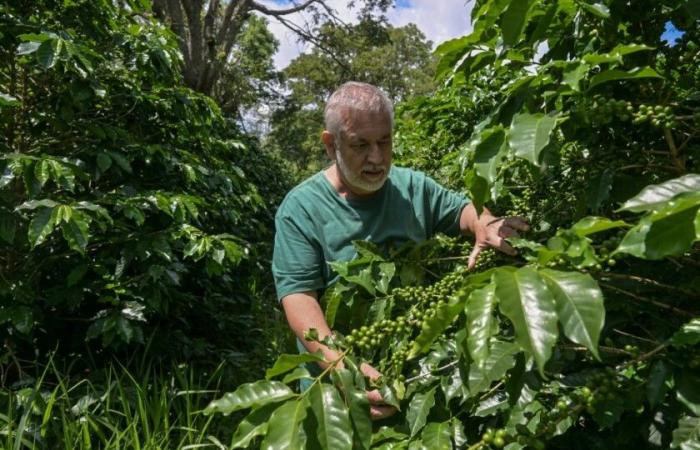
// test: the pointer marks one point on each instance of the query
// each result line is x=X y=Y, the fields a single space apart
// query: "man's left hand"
x=490 y=231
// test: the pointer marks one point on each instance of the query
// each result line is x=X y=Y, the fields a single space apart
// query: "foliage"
x=397 y=59
x=113 y=408
x=580 y=117
x=129 y=207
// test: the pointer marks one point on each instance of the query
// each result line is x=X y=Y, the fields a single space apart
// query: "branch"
x=282 y=12
x=646 y=300
x=678 y=162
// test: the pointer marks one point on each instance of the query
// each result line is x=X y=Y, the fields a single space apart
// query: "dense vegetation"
x=578 y=116
x=135 y=231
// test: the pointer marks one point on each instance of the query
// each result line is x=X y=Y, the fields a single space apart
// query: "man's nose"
x=375 y=155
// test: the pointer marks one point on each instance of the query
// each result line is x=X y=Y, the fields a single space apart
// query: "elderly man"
x=362 y=197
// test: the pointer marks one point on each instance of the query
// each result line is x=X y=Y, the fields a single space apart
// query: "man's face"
x=364 y=151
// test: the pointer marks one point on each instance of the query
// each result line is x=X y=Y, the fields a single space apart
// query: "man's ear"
x=330 y=144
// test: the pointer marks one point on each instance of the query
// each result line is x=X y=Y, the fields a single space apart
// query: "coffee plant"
x=579 y=116
x=131 y=211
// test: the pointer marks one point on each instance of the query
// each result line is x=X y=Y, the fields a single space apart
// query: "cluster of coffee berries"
x=607 y=246
x=606 y=109
x=495 y=438
x=369 y=337
x=657 y=115
x=602 y=387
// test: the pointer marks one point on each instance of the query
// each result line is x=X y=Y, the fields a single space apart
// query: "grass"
x=114 y=408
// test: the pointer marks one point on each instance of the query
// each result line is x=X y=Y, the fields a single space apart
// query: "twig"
x=675 y=155
x=651 y=282
x=439 y=369
x=633 y=336
x=647 y=300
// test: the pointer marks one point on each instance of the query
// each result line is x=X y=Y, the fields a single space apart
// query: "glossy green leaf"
x=418 y=410
x=616 y=54
x=433 y=327
x=121 y=161
x=46 y=54
x=76 y=232
x=499 y=361
x=492 y=405
x=688 y=390
x=250 y=395
x=529 y=134
x=437 y=436
x=285 y=363
x=480 y=321
x=574 y=73
x=597 y=9
x=656 y=384
x=41 y=226
x=688 y=335
x=489 y=152
x=669 y=231
x=333 y=428
x=284 y=430
x=27 y=48
x=579 y=303
x=253 y=425
x=387 y=270
x=297 y=374
x=513 y=20
x=616 y=75
x=357 y=403
x=591 y=225
x=526 y=301
x=656 y=196
x=687 y=435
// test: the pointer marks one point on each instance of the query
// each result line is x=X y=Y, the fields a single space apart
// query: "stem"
x=647 y=300
x=423 y=375
x=678 y=162
x=652 y=282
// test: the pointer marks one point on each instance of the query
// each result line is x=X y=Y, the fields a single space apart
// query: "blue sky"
x=671 y=33
x=438 y=20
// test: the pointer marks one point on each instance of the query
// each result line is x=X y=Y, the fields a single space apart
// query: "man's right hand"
x=377 y=408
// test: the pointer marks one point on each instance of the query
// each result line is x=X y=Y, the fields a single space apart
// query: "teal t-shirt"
x=315 y=225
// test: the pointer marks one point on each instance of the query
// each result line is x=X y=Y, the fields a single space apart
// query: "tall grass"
x=113 y=408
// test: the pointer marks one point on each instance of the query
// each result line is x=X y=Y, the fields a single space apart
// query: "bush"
x=130 y=209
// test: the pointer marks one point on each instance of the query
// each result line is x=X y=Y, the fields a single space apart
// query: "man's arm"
x=489 y=231
x=304 y=313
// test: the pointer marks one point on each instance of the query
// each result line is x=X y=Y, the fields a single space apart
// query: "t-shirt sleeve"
x=296 y=261
x=445 y=207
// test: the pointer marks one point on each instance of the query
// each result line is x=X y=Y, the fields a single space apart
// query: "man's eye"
x=360 y=146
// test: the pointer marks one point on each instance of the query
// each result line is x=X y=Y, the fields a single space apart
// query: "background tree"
x=249 y=78
x=397 y=59
x=208 y=31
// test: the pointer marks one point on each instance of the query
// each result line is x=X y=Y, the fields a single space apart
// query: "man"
x=362 y=197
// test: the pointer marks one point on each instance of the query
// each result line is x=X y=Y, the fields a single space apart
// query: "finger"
x=381 y=412
x=375 y=398
x=506 y=232
x=517 y=222
x=471 y=264
x=505 y=247
x=369 y=371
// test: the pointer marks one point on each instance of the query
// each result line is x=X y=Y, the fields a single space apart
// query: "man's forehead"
x=356 y=119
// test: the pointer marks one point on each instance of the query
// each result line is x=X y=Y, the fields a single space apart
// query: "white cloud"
x=438 y=20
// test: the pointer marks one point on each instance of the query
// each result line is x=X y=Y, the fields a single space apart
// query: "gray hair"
x=355 y=96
